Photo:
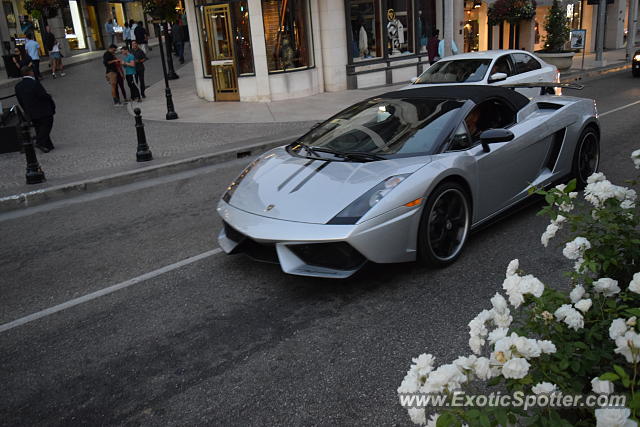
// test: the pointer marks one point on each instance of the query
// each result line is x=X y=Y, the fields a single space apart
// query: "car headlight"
x=637 y=58
x=234 y=184
x=352 y=213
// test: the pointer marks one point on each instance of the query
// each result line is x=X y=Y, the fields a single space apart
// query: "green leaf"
x=620 y=371
x=608 y=376
x=484 y=421
x=447 y=420
x=501 y=417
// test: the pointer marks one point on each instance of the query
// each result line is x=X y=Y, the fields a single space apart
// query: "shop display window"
x=242 y=37
x=366 y=29
x=399 y=24
x=287 y=33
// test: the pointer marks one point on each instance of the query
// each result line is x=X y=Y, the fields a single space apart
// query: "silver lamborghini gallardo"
x=405 y=176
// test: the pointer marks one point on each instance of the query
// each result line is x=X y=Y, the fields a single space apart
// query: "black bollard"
x=143 y=154
x=34 y=175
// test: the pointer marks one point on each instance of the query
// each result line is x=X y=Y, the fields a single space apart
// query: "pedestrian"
x=20 y=58
x=111 y=33
x=178 y=41
x=132 y=25
x=38 y=106
x=111 y=65
x=140 y=59
x=48 y=39
x=140 y=35
x=32 y=47
x=129 y=63
x=441 y=52
x=56 y=59
x=126 y=34
x=120 y=81
x=432 y=47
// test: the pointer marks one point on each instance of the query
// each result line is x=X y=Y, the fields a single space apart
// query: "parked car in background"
x=492 y=67
x=635 y=65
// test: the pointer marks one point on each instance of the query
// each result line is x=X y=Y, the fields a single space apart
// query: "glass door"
x=220 y=52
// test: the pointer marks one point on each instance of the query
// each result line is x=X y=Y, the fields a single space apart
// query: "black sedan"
x=635 y=64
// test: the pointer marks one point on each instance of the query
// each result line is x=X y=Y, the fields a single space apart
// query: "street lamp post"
x=171 y=113
x=168 y=38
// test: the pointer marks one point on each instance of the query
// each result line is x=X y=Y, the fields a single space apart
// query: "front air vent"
x=549 y=106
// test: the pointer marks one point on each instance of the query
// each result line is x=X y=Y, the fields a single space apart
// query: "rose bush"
x=540 y=340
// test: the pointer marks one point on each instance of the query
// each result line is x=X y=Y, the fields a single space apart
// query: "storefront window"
x=425 y=17
x=471 y=27
x=287 y=33
x=399 y=27
x=574 y=9
x=366 y=29
x=242 y=37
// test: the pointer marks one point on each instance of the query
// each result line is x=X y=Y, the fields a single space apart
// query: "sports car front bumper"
x=320 y=250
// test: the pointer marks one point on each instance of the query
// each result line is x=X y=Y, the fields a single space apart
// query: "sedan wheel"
x=444 y=226
x=587 y=157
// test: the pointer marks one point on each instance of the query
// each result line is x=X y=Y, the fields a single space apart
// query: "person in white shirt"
x=32 y=47
x=454 y=48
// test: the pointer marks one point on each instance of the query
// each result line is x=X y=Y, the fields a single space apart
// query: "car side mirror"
x=492 y=136
x=496 y=77
x=414 y=79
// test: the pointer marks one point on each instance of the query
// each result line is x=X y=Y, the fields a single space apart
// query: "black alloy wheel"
x=587 y=157
x=445 y=224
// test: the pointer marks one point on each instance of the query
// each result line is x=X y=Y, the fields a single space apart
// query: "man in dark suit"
x=39 y=107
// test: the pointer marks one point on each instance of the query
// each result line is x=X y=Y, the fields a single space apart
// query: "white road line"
x=106 y=291
x=619 y=108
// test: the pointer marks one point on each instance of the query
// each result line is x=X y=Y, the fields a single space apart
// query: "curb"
x=577 y=76
x=73 y=189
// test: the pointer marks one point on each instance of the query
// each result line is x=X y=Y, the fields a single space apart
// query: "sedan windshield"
x=382 y=127
x=458 y=71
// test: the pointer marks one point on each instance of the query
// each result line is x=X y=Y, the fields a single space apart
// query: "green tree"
x=557 y=28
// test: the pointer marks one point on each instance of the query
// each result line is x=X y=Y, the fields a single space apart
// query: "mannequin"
x=395 y=31
x=363 y=39
x=421 y=32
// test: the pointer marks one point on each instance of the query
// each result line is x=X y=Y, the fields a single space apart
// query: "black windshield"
x=385 y=127
x=458 y=71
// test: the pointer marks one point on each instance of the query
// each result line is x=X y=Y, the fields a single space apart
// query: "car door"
x=506 y=172
x=502 y=64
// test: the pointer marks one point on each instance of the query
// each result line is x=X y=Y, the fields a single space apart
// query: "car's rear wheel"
x=444 y=226
x=587 y=156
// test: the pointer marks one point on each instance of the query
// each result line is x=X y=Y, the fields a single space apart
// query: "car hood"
x=287 y=187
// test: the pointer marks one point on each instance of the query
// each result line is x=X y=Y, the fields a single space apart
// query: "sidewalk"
x=95 y=142
x=317 y=107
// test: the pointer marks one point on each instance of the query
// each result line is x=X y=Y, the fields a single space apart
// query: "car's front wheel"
x=587 y=156
x=444 y=226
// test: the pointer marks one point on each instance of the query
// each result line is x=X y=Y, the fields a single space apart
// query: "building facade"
x=268 y=50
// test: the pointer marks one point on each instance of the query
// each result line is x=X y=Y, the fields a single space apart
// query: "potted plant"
x=557 y=28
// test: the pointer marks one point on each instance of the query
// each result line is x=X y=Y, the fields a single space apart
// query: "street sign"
x=578 y=39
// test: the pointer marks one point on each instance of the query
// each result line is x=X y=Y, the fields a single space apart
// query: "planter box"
x=562 y=60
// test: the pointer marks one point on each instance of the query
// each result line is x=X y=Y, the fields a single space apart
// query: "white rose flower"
x=465 y=363
x=423 y=364
x=628 y=346
x=418 y=416
x=511 y=285
x=632 y=321
x=628 y=204
x=575 y=249
x=482 y=368
x=596 y=177
x=561 y=187
x=516 y=368
x=475 y=344
x=614 y=417
x=570 y=316
x=573 y=194
x=512 y=268
x=549 y=234
x=583 y=305
x=577 y=293
x=547 y=347
x=607 y=287
x=446 y=377
x=634 y=285
x=411 y=383
x=635 y=156
x=544 y=388
x=527 y=347
x=561 y=312
x=497 y=334
x=601 y=387
x=618 y=328
x=499 y=303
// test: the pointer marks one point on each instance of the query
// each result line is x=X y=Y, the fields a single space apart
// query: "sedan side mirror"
x=414 y=79
x=496 y=77
x=492 y=136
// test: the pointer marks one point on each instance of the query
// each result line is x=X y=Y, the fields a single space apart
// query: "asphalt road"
x=226 y=340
